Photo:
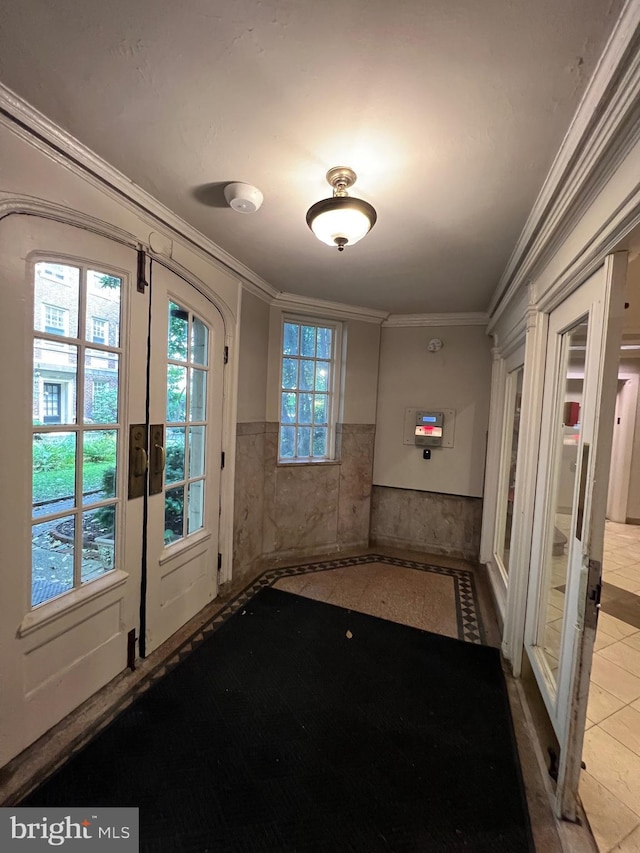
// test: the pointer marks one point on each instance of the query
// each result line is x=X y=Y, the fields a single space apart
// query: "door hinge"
x=594 y=593
x=222 y=460
x=131 y=649
x=219 y=563
x=142 y=262
x=226 y=355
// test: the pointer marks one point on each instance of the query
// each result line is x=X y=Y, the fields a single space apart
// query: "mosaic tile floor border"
x=467 y=612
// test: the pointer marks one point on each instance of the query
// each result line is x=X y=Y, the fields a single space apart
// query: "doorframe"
x=618 y=498
x=537 y=324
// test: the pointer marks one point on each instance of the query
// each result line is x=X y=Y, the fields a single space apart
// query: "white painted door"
x=185 y=399
x=73 y=367
x=571 y=494
x=84 y=566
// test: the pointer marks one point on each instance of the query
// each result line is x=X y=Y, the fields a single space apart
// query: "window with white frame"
x=56 y=320
x=309 y=377
x=99 y=331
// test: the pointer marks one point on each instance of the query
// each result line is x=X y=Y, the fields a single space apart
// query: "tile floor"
x=610 y=786
x=420 y=599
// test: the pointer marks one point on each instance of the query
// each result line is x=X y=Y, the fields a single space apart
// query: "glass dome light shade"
x=341 y=220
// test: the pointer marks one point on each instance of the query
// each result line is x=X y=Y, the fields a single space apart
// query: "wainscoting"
x=426 y=521
x=295 y=510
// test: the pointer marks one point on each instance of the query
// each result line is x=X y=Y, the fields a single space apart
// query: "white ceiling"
x=450 y=111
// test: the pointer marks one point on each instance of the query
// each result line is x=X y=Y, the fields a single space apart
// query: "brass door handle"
x=140 y=469
x=138 y=460
x=156 y=441
x=163 y=457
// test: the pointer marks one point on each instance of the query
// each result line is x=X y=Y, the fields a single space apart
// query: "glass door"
x=566 y=554
x=185 y=411
x=70 y=588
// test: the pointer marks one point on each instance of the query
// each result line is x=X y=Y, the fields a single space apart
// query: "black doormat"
x=300 y=726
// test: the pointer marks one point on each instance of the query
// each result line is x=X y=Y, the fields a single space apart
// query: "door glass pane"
x=178 y=332
x=562 y=509
x=56 y=298
x=176 y=393
x=98 y=542
x=199 y=342
x=174 y=465
x=54 y=472
x=101 y=387
x=198 y=395
x=511 y=461
x=102 y=319
x=196 y=451
x=196 y=505
x=55 y=382
x=173 y=515
x=99 y=465
x=52 y=553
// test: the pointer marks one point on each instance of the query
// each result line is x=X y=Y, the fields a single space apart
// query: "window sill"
x=285 y=463
x=44 y=614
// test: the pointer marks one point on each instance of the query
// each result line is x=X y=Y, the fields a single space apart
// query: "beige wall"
x=252 y=359
x=361 y=372
x=457 y=377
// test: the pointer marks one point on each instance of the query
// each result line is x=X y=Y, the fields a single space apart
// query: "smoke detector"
x=243 y=198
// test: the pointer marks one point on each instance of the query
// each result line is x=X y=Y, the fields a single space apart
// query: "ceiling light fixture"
x=341 y=220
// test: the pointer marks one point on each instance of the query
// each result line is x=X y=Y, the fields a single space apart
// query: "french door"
x=185 y=403
x=90 y=362
x=571 y=494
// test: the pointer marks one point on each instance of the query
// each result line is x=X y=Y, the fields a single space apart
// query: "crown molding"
x=325 y=308
x=598 y=138
x=515 y=338
x=35 y=128
x=461 y=319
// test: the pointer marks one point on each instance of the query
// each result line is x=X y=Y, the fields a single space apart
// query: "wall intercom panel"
x=442 y=431
x=429 y=427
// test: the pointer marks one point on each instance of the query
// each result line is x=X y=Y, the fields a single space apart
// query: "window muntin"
x=308 y=376
x=75 y=456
